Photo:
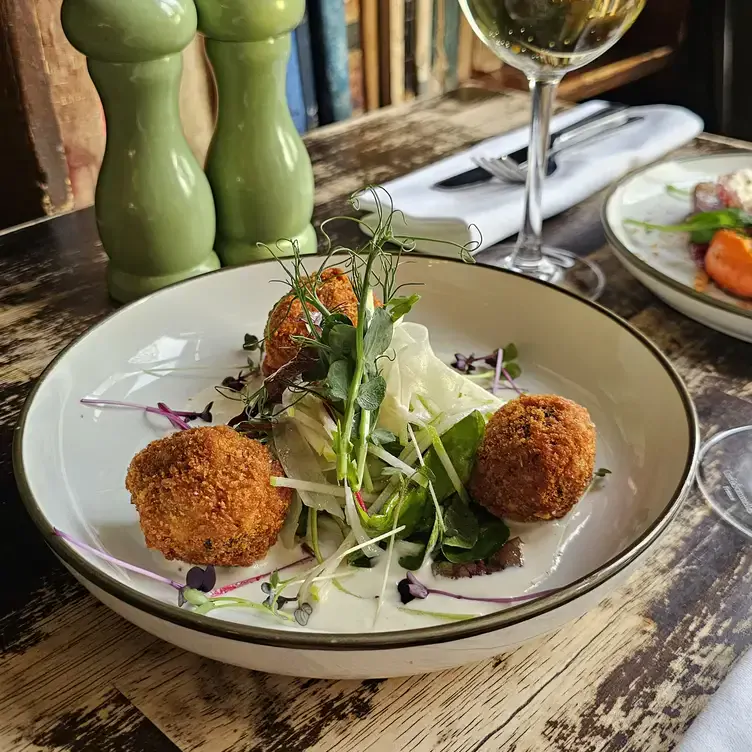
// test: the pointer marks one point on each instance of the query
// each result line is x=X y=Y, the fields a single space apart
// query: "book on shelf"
x=452 y=14
x=439 y=62
x=302 y=43
x=355 y=56
x=423 y=45
x=410 y=70
x=369 y=28
x=294 y=90
x=331 y=59
x=397 y=51
x=385 y=40
x=465 y=50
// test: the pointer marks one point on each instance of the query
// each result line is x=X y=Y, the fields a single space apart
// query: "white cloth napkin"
x=726 y=723
x=491 y=212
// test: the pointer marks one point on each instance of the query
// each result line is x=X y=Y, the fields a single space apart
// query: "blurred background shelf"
x=349 y=57
x=606 y=74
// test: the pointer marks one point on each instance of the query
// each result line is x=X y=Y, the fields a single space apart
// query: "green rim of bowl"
x=631 y=259
x=360 y=641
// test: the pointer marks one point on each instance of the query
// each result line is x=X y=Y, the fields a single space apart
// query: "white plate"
x=662 y=261
x=70 y=460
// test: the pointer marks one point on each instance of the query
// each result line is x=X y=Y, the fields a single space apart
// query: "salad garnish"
x=703 y=225
x=412 y=588
x=359 y=446
x=178 y=418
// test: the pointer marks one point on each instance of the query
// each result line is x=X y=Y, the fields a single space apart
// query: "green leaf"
x=338 y=379
x=342 y=339
x=412 y=561
x=400 y=306
x=461 y=443
x=274 y=579
x=360 y=560
x=411 y=513
x=434 y=539
x=195 y=597
x=602 y=472
x=492 y=535
x=371 y=394
x=510 y=352
x=381 y=436
x=702 y=237
x=732 y=219
x=317 y=371
x=330 y=322
x=378 y=335
x=513 y=370
x=461 y=525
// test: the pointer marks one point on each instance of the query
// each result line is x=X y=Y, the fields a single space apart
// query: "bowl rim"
x=628 y=257
x=325 y=641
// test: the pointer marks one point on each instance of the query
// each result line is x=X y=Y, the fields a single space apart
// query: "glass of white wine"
x=546 y=39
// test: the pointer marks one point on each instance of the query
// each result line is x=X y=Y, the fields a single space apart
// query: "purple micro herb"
x=510 y=379
x=411 y=588
x=174 y=418
x=235 y=383
x=416 y=587
x=497 y=373
x=187 y=415
x=201 y=579
x=235 y=585
x=113 y=560
x=464 y=363
x=490 y=359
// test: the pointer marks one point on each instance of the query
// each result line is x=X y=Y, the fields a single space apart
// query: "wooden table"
x=630 y=675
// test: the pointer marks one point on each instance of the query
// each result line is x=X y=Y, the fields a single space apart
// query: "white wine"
x=550 y=36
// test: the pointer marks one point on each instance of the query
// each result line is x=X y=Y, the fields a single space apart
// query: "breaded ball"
x=204 y=497
x=536 y=459
x=286 y=318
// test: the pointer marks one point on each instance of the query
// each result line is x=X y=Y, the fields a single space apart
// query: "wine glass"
x=546 y=39
x=724 y=476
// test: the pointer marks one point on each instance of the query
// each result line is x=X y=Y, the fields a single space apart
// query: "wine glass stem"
x=527 y=254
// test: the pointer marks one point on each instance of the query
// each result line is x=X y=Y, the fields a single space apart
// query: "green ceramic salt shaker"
x=257 y=164
x=154 y=205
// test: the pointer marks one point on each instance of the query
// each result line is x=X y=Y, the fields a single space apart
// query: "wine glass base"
x=558 y=267
x=724 y=476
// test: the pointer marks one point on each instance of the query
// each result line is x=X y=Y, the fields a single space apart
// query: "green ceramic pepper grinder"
x=257 y=164
x=154 y=205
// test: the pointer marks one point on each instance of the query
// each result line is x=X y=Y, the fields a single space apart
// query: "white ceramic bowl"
x=661 y=261
x=70 y=460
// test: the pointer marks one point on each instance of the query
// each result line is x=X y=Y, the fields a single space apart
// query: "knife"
x=604 y=119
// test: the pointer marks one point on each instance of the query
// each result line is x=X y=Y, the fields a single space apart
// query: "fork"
x=507 y=169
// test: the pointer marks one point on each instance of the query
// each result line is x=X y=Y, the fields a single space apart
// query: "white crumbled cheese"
x=739 y=185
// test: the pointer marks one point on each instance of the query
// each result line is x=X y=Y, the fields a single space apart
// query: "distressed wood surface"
x=630 y=675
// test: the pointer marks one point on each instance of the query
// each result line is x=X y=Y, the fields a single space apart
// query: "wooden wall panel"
x=52 y=123
x=75 y=102
x=32 y=161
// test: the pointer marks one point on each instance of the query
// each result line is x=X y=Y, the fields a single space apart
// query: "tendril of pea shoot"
x=339 y=358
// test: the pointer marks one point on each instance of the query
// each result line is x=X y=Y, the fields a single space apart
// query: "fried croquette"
x=536 y=459
x=204 y=497
x=335 y=292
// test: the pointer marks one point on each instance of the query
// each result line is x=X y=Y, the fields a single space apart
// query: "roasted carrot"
x=729 y=262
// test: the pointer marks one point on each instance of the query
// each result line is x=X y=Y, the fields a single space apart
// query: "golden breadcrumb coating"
x=285 y=320
x=204 y=497
x=536 y=458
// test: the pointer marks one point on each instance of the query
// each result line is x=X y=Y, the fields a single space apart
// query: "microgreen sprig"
x=703 y=225
x=411 y=588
